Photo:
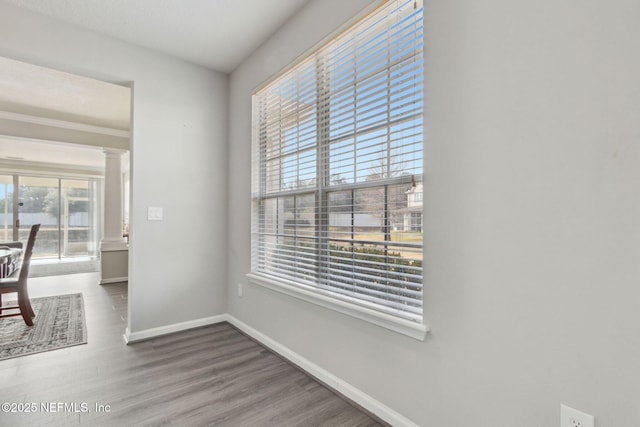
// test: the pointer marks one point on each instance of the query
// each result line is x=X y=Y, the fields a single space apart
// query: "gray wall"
x=531 y=215
x=178 y=162
x=532 y=218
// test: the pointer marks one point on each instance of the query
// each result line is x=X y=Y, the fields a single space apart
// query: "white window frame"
x=317 y=294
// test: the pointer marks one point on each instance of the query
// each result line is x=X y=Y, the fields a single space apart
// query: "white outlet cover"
x=570 y=417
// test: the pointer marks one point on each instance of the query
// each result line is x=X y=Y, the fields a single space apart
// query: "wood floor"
x=207 y=376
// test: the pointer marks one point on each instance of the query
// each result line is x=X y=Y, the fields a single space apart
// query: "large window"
x=66 y=209
x=337 y=168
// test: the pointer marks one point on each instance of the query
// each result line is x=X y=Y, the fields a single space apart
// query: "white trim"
x=406 y=327
x=113 y=280
x=132 y=337
x=349 y=391
x=46 y=169
x=118 y=245
x=63 y=124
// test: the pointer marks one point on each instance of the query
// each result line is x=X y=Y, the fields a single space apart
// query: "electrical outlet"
x=570 y=417
x=240 y=290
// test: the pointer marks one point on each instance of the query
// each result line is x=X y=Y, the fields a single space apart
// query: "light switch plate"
x=154 y=213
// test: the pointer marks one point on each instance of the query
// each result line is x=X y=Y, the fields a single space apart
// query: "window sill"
x=409 y=328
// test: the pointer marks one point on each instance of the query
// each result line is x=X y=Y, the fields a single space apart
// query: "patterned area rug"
x=59 y=323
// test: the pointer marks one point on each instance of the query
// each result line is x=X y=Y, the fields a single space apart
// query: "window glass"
x=337 y=167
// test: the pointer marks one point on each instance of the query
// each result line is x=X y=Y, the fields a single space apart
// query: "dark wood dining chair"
x=17 y=282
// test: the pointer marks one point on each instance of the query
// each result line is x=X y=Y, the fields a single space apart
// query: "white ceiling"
x=32 y=96
x=46 y=93
x=217 y=34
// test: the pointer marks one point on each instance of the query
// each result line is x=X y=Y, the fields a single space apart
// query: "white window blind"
x=337 y=166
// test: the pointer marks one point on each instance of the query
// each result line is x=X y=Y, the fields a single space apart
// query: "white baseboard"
x=113 y=280
x=132 y=337
x=350 y=392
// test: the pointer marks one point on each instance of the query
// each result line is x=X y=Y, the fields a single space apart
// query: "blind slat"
x=337 y=166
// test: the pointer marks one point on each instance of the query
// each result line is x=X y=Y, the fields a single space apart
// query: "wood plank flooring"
x=210 y=376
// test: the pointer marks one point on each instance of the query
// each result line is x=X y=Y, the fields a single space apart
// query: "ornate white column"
x=113 y=247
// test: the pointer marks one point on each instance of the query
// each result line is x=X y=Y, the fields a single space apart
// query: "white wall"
x=178 y=162
x=532 y=218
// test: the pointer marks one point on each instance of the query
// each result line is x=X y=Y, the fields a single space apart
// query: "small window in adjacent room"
x=337 y=172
